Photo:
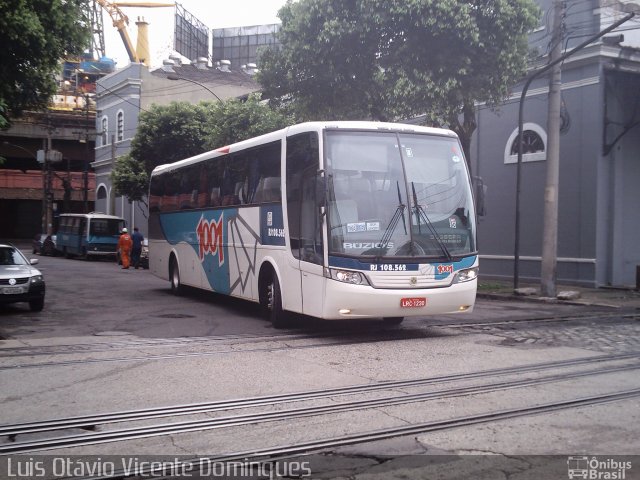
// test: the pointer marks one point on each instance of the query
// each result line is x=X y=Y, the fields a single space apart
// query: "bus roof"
x=305 y=127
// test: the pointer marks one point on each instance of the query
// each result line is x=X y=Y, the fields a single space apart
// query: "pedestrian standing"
x=124 y=246
x=136 y=250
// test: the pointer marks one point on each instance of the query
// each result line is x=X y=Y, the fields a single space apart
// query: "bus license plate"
x=12 y=290
x=415 y=302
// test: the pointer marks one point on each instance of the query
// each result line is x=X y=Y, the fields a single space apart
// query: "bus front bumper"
x=344 y=301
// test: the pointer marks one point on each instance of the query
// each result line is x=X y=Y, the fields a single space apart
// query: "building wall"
x=240 y=45
x=579 y=156
x=119 y=92
x=621 y=216
x=134 y=89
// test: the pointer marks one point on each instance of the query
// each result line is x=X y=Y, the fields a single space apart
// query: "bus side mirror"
x=480 y=191
x=321 y=190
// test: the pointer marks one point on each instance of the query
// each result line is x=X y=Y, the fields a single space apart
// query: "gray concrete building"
x=599 y=198
x=122 y=95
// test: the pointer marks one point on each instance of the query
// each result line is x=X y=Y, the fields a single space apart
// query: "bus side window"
x=215 y=169
x=172 y=194
x=234 y=180
x=155 y=199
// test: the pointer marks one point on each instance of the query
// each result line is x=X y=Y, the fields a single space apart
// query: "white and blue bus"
x=334 y=220
x=88 y=234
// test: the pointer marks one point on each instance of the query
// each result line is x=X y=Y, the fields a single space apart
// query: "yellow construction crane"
x=120 y=21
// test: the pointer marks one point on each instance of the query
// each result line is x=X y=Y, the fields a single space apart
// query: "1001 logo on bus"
x=445 y=269
x=210 y=238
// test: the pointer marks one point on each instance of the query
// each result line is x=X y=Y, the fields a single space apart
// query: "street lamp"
x=173 y=76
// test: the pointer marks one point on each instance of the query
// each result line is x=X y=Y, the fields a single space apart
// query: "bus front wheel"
x=271 y=303
x=174 y=276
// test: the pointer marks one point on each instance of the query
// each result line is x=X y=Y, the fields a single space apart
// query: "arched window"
x=120 y=126
x=534 y=146
x=102 y=204
x=105 y=131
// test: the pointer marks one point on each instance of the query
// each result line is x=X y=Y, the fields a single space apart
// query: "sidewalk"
x=568 y=295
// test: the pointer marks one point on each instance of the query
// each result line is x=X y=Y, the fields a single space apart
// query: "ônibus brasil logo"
x=210 y=238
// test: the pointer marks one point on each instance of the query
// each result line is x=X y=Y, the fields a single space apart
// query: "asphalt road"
x=528 y=385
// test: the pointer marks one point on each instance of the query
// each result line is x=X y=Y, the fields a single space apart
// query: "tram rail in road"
x=288 y=451
x=245 y=419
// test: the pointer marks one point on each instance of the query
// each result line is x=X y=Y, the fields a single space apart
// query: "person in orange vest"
x=124 y=246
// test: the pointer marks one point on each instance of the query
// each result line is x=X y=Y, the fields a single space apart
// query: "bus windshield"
x=394 y=195
x=100 y=227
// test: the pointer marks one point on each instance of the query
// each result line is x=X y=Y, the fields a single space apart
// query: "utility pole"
x=85 y=166
x=548 y=272
x=112 y=196
x=44 y=186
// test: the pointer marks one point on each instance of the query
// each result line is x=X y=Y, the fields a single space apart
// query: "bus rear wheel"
x=271 y=303
x=174 y=276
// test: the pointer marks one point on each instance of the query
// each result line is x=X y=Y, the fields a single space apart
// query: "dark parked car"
x=44 y=244
x=20 y=281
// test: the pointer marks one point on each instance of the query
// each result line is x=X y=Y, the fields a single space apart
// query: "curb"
x=509 y=297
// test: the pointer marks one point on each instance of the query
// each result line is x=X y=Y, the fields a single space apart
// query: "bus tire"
x=66 y=253
x=271 y=302
x=174 y=277
x=393 y=320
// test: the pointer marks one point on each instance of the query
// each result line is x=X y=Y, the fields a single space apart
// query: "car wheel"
x=393 y=320
x=36 y=305
x=174 y=275
x=271 y=303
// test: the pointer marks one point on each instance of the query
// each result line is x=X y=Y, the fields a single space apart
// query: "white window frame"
x=526 y=157
x=119 y=131
x=104 y=134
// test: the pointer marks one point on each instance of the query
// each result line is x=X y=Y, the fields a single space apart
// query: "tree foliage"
x=168 y=133
x=395 y=59
x=35 y=35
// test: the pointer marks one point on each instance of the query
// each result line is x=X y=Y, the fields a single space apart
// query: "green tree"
x=236 y=120
x=169 y=133
x=35 y=35
x=394 y=59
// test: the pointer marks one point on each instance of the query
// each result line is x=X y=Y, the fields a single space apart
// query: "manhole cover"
x=176 y=315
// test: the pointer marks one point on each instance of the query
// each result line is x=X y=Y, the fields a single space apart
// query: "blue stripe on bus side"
x=207 y=232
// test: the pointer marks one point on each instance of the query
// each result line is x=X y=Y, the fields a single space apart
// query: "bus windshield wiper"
x=383 y=245
x=422 y=214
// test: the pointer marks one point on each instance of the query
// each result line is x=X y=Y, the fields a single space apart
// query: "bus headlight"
x=347 y=276
x=466 y=275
